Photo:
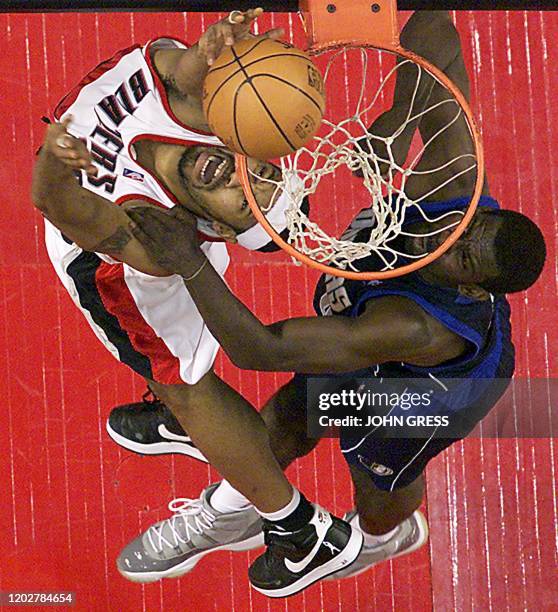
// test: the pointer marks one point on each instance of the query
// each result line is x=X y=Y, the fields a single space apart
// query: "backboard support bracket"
x=342 y=22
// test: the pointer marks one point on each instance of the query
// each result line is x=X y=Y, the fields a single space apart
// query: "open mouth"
x=212 y=169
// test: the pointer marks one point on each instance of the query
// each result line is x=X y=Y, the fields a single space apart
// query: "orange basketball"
x=263 y=98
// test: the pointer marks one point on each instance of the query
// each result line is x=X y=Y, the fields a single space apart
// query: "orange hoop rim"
x=242 y=169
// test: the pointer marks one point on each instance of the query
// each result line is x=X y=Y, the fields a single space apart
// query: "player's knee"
x=377 y=523
x=285 y=419
x=287 y=407
x=380 y=510
x=288 y=441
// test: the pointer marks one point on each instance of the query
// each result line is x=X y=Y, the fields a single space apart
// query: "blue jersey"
x=485 y=325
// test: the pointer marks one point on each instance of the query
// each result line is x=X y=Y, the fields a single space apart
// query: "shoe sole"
x=423 y=530
x=186 y=566
x=343 y=560
x=156 y=448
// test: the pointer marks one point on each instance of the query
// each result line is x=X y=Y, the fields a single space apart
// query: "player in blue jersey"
x=450 y=320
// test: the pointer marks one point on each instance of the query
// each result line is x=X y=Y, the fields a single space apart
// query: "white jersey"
x=121 y=101
x=149 y=323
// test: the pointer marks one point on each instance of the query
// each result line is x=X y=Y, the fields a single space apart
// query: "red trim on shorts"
x=119 y=302
x=98 y=71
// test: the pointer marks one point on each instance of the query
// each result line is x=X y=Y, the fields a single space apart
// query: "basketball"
x=264 y=98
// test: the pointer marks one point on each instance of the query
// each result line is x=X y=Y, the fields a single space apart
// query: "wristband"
x=189 y=278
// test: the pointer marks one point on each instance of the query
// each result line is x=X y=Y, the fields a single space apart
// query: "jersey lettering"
x=337 y=290
x=106 y=143
x=108 y=181
x=119 y=105
x=138 y=84
x=108 y=137
x=124 y=99
x=365 y=218
x=113 y=106
x=110 y=106
x=336 y=296
x=103 y=157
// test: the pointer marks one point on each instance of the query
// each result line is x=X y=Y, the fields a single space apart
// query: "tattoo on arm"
x=115 y=243
x=171 y=87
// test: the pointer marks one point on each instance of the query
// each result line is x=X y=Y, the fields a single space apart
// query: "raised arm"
x=183 y=71
x=93 y=223
x=393 y=328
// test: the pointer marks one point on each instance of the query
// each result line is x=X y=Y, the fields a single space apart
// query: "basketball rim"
x=358 y=23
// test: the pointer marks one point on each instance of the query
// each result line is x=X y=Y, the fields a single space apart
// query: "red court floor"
x=70 y=498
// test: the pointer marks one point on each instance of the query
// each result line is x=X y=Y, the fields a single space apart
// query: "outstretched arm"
x=185 y=71
x=92 y=222
x=394 y=329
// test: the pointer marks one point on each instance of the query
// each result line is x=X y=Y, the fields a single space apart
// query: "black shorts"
x=392 y=460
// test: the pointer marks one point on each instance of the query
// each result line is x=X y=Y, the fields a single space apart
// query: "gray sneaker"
x=172 y=547
x=411 y=534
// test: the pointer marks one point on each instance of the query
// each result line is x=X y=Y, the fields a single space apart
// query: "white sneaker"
x=411 y=534
x=172 y=547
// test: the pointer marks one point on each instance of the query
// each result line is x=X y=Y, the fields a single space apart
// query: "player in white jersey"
x=138 y=135
x=139 y=149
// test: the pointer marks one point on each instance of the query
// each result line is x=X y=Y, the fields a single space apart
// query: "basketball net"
x=347 y=145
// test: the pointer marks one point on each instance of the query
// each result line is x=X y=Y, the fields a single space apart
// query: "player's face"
x=208 y=175
x=470 y=261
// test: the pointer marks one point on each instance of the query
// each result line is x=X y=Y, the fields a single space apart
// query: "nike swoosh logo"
x=299 y=566
x=169 y=435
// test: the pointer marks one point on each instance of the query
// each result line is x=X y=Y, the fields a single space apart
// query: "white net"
x=395 y=184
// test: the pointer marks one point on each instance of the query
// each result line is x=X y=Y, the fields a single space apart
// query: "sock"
x=226 y=498
x=374 y=540
x=294 y=516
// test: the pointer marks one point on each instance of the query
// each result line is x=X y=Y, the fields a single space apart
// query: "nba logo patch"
x=133 y=174
x=376 y=468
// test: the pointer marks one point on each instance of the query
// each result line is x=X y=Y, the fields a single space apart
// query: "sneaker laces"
x=189 y=516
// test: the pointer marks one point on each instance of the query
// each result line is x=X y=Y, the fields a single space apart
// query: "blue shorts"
x=391 y=460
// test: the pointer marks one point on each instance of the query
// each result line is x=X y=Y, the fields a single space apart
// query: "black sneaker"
x=149 y=428
x=295 y=560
